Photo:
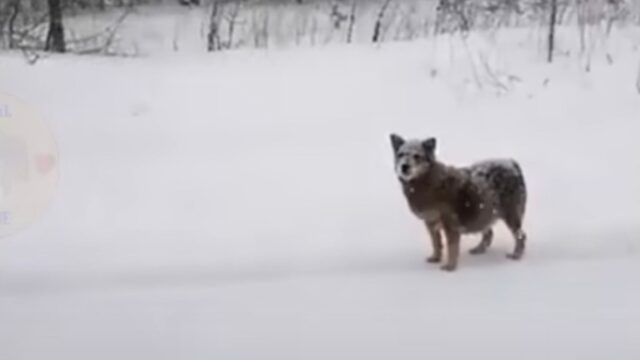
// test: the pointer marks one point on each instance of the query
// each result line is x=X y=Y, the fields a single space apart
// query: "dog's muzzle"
x=405 y=169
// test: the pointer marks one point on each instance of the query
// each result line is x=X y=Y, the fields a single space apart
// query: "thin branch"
x=232 y=20
x=552 y=30
x=213 y=38
x=15 y=5
x=352 y=21
x=378 y=26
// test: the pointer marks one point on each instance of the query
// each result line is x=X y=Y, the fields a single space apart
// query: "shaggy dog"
x=460 y=200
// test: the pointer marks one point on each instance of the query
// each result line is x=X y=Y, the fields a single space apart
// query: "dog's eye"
x=416 y=157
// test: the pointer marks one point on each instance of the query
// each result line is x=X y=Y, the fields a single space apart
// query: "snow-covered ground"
x=243 y=206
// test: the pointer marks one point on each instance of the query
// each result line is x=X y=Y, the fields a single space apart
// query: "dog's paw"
x=514 y=256
x=448 y=267
x=434 y=259
x=477 y=251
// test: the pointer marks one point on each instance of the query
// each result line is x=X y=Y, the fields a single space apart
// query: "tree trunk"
x=352 y=21
x=12 y=22
x=213 y=38
x=55 y=38
x=552 y=30
x=377 y=29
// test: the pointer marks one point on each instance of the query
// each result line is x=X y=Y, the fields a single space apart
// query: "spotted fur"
x=460 y=200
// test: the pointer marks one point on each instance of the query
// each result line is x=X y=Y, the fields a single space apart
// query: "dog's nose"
x=404 y=168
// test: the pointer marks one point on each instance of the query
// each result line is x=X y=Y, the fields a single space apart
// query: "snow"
x=244 y=205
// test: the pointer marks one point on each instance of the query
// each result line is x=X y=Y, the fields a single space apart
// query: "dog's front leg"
x=453 y=248
x=435 y=234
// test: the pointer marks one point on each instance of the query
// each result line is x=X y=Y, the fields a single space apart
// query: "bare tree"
x=260 y=28
x=15 y=10
x=232 y=20
x=188 y=2
x=55 y=38
x=352 y=21
x=552 y=30
x=378 y=26
x=213 y=38
x=453 y=15
x=336 y=15
x=314 y=30
x=582 y=24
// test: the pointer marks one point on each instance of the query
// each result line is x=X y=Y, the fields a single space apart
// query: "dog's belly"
x=475 y=211
x=479 y=224
x=430 y=215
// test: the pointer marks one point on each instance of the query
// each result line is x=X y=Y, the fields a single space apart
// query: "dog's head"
x=413 y=158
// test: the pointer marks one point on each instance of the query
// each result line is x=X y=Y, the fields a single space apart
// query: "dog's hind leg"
x=481 y=248
x=518 y=251
x=515 y=225
x=513 y=199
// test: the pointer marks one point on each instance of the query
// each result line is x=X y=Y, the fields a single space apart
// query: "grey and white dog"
x=460 y=200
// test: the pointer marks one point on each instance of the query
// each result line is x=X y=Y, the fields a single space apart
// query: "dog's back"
x=505 y=180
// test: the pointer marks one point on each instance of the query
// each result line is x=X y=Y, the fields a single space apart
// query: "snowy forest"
x=115 y=27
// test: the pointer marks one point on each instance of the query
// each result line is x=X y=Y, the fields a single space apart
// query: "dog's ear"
x=396 y=142
x=429 y=145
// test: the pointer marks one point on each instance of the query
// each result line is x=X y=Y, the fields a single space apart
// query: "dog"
x=460 y=200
